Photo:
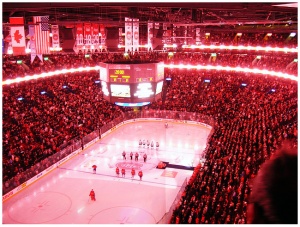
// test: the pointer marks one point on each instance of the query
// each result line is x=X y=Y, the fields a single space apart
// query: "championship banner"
x=198 y=40
x=55 y=36
x=79 y=36
x=17 y=35
x=95 y=35
x=87 y=35
x=135 y=29
x=103 y=35
x=121 y=40
x=150 y=35
x=32 y=43
x=128 y=34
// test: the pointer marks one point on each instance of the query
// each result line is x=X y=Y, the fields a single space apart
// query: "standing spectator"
x=273 y=199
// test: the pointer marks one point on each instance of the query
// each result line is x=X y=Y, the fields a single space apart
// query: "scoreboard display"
x=132 y=83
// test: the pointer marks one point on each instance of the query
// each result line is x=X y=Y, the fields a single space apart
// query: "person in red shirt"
x=92 y=195
x=140 y=174
x=94 y=168
x=117 y=171
x=123 y=172
x=132 y=173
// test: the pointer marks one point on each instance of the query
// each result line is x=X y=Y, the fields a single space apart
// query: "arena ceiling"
x=180 y=13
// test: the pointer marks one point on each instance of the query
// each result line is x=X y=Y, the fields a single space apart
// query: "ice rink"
x=62 y=196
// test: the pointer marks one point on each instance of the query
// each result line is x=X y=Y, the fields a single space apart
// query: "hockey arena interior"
x=149 y=113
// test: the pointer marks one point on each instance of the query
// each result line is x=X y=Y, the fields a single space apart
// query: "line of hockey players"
x=136 y=156
x=144 y=143
x=123 y=172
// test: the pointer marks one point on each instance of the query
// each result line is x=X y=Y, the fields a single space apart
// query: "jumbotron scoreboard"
x=132 y=84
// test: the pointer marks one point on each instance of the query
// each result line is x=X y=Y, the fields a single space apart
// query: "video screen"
x=159 y=86
x=118 y=90
x=144 y=90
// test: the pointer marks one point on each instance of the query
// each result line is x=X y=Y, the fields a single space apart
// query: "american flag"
x=45 y=23
x=41 y=31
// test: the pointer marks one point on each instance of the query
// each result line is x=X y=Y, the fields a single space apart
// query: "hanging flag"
x=55 y=37
x=41 y=32
x=32 y=42
x=135 y=32
x=18 y=35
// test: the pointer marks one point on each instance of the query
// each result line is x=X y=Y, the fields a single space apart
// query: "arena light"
x=43 y=92
x=269 y=34
x=20 y=98
x=206 y=81
x=293 y=34
x=258 y=57
x=244 y=85
x=249 y=48
x=295 y=60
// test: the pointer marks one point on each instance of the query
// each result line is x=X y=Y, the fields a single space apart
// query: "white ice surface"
x=62 y=196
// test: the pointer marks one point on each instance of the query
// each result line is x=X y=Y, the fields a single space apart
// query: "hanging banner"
x=55 y=36
x=41 y=36
x=128 y=34
x=103 y=36
x=95 y=35
x=79 y=35
x=150 y=35
x=17 y=35
x=32 y=42
x=135 y=31
x=87 y=35
x=121 y=40
x=198 y=41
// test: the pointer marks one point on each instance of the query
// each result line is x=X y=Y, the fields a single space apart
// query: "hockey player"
x=117 y=171
x=144 y=142
x=157 y=145
x=140 y=174
x=148 y=143
x=166 y=125
x=140 y=143
x=132 y=173
x=145 y=157
x=123 y=172
x=124 y=155
x=94 y=168
x=92 y=195
x=152 y=144
x=131 y=155
x=136 y=156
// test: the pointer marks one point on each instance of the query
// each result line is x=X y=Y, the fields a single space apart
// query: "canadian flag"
x=17 y=35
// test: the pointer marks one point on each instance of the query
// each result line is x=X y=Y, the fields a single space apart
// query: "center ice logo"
x=126 y=165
